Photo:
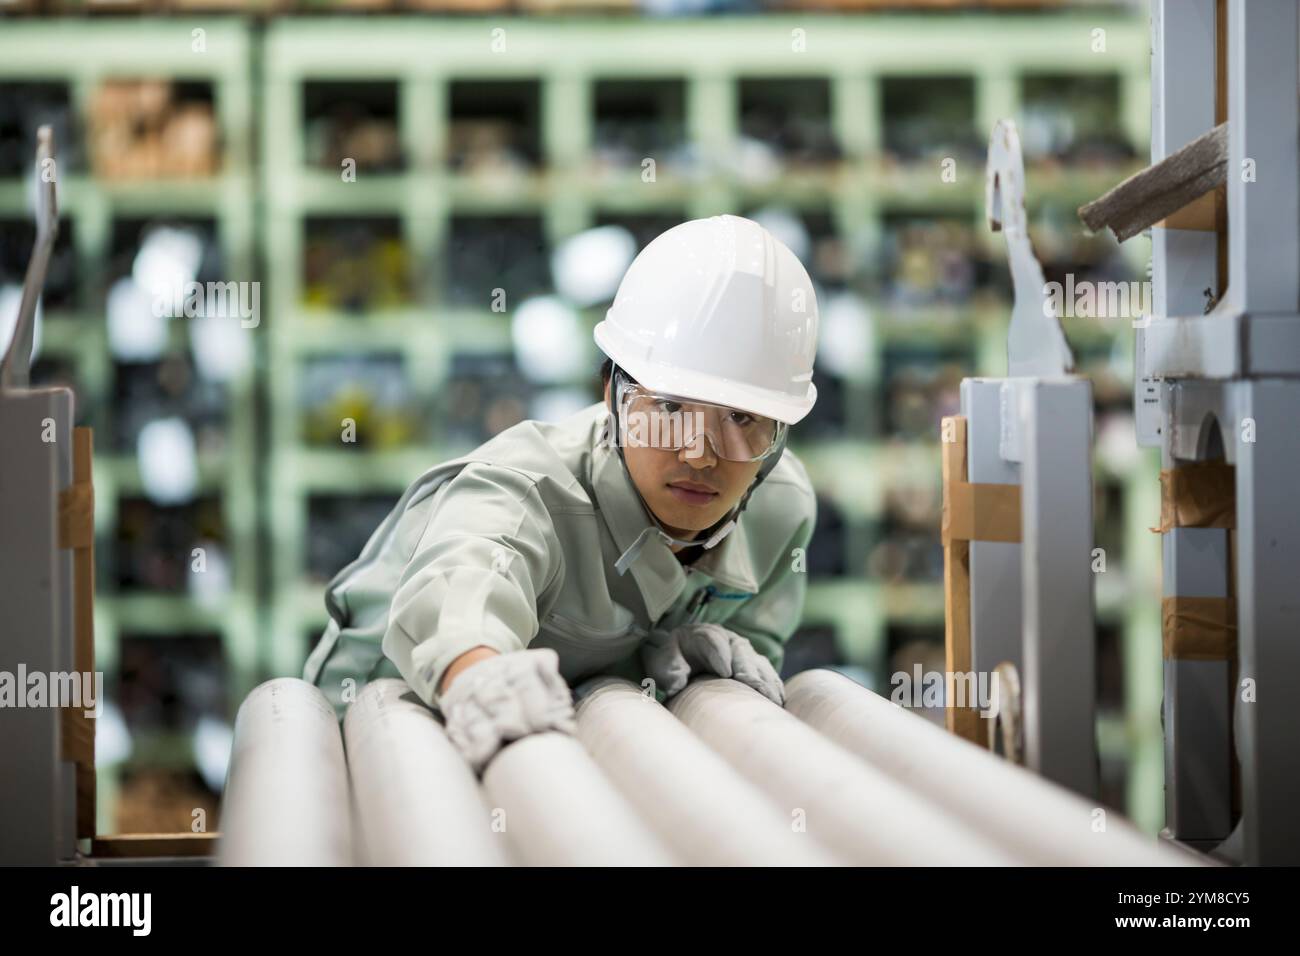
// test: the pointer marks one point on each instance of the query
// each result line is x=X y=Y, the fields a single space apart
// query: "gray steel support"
x=1183 y=261
x=1268 y=601
x=1263 y=117
x=995 y=601
x=1254 y=329
x=1058 y=679
x=37 y=786
x=1198 y=746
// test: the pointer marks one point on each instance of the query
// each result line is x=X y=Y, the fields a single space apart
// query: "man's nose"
x=699 y=452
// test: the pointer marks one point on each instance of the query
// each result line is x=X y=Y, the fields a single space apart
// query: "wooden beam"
x=1161 y=190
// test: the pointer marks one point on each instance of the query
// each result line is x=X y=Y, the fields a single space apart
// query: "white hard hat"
x=718 y=310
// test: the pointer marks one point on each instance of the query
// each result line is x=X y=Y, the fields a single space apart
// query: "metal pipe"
x=703 y=809
x=286 y=796
x=417 y=801
x=850 y=806
x=557 y=809
x=1043 y=823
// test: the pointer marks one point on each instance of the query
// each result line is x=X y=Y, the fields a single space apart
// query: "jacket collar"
x=659 y=576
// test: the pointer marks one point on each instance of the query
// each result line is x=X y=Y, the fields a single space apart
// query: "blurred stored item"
x=338 y=527
x=813 y=645
x=930 y=118
x=588 y=267
x=906 y=555
x=1073 y=119
x=163 y=801
x=636 y=120
x=847 y=344
x=361 y=402
x=494 y=262
x=354 y=120
x=24 y=108
x=169 y=469
x=550 y=341
x=495 y=127
x=791 y=116
x=921 y=387
x=355 y=264
x=827 y=556
x=166 y=684
x=153 y=128
x=144 y=392
x=486 y=394
x=928 y=261
x=164 y=250
x=154 y=546
x=17 y=237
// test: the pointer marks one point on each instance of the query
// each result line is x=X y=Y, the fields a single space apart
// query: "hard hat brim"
x=702 y=387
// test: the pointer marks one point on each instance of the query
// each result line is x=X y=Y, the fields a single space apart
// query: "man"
x=656 y=535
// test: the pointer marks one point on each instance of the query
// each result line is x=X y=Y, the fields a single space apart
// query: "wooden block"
x=962 y=721
x=128 y=845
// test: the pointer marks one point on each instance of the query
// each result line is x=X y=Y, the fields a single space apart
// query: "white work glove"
x=504 y=698
x=670 y=657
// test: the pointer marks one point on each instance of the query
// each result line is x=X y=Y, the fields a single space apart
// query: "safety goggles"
x=652 y=420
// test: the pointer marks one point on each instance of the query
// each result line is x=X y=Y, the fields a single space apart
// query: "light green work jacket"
x=514 y=546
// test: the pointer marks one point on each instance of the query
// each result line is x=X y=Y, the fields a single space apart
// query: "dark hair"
x=606 y=370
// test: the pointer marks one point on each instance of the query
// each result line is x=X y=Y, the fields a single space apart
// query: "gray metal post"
x=1268 y=541
x=1059 y=673
x=995 y=602
x=38 y=787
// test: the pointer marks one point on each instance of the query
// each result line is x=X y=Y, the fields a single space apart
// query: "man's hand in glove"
x=671 y=657
x=503 y=698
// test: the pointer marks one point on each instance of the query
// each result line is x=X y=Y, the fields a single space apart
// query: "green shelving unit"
x=82 y=55
x=566 y=59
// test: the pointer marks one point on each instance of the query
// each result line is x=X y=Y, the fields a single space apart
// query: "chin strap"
x=724 y=525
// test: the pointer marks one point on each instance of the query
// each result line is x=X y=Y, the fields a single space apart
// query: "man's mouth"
x=692 y=492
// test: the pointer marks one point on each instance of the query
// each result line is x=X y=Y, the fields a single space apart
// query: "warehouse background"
x=381 y=176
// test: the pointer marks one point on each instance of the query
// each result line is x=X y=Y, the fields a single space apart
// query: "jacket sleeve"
x=770 y=618
x=478 y=570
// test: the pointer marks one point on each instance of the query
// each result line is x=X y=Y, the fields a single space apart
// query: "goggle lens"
x=671 y=424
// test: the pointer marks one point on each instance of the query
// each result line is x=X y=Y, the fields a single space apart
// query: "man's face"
x=689 y=489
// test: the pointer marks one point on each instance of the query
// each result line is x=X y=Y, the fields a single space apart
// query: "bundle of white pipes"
x=699 y=805
x=286 y=796
x=847 y=804
x=1040 y=822
x=838 y=776
x=418 y=802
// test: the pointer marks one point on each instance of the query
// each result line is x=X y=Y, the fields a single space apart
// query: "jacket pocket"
x=583 y=648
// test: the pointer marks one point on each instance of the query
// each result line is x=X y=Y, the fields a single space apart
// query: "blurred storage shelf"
x=82 y=58
x=474 y=144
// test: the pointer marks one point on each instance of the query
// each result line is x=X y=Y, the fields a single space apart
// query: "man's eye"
x=742 y=419
x=669 y=407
